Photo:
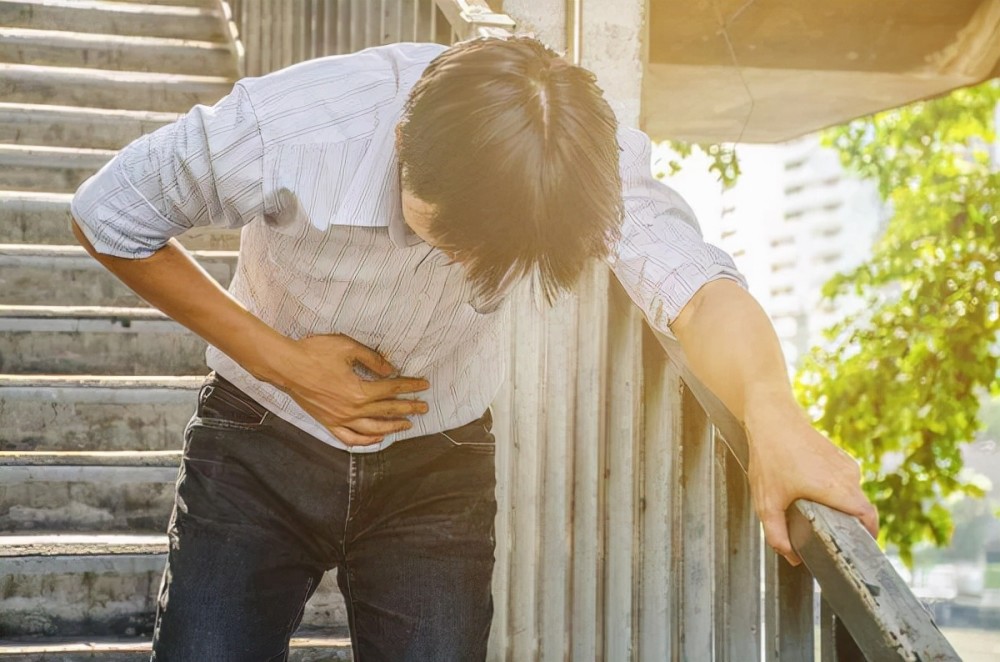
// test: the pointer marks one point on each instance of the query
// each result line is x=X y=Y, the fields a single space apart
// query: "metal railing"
x=625 y=527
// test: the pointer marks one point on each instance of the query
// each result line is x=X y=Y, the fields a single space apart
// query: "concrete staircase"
x=95 y=385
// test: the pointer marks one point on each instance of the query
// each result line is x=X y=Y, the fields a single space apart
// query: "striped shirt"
x=303 y=160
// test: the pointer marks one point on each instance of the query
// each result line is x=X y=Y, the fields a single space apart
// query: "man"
x=389 y=201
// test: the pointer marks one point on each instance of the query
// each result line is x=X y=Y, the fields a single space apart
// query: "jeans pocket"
x=475 y=437
x=223 y=405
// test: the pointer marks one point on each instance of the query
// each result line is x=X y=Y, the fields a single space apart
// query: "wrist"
x=771 y=407
x=273 y=359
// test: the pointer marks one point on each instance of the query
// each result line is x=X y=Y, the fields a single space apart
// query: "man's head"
x=509 y=162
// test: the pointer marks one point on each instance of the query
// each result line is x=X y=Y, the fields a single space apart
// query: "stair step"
x=100 y=88
x=87 y=491
x=121 y=52
x=68 y=126
x=149 y=20
x=32 y=217
x=95 y=412
x=55 y=169
x=68 y=275
x=105 y=584
x=96 y=340
x=302 y=648
x=181 y=3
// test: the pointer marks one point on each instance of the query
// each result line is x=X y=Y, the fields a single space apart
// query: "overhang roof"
x=771 y=70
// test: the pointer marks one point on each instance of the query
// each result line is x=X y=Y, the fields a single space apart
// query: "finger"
x=868 y=515
x=383 y=389
x=352 y=438
x=372 y=360
x=776 y=535
x=393 y=408
x=378 y=427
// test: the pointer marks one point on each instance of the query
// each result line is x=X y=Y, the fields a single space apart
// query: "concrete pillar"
x=546 y=19
x=613 y=44
x=611 y=39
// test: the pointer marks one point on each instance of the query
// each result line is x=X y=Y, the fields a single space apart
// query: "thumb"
x=371 y=359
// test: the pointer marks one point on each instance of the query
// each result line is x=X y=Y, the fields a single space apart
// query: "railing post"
x=697 y=586
x=788 y=611
x=836 y=643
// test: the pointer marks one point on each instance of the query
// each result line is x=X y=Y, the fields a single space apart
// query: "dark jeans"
x=263 y=509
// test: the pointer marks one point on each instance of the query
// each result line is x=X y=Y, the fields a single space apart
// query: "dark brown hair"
x=517 y=150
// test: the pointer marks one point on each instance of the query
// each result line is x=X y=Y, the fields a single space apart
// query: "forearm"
x=173 y=282
x=732 y=348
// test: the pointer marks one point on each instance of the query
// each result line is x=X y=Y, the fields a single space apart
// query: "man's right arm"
x=207 y=169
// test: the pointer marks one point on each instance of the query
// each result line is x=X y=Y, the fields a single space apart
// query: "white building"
x=794 y=218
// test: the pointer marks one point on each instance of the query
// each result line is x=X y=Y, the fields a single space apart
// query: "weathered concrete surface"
x=99 y=88
x=124 y=341
x=66 y=126
x=50 y=492
x=123 y=52
x=178 y=22
x=48 y=413
x=104 y=592
x=771 y=70
x=26 y=273
x=53 y=169
x=302 y=648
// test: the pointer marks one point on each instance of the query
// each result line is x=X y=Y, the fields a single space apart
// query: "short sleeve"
x=204 y=169
x=661 y=258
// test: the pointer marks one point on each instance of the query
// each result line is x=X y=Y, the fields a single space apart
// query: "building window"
x=794 y=165
x=792 y=214
x=782 y=266
x=793 y=190
x=782 y=241
x=782 y=291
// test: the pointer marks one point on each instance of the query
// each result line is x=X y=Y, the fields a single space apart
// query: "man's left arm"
x=692 y=290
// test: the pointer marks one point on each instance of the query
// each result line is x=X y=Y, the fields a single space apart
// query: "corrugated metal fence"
x=277 y=33
x=625 y=528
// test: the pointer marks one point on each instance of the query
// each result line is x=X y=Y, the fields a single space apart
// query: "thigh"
x=235 y=584
x=418 y=572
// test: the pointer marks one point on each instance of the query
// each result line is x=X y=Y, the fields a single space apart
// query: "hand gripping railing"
x=884 y=618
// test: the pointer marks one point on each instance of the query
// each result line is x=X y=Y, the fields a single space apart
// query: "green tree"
x=723 y=161
x=899 y=383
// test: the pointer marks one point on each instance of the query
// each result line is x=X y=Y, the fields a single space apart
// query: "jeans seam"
x=296 y=615
x=351 y=488
x=351 y=619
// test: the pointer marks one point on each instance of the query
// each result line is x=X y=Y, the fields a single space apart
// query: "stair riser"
x=172 y=60
x=66 y=498
x=16 y=14
x=304 y=654
x=48 y=223
x=23 y=129
x=65 y=281
x=145 y=348
x=66 y=90
x=43 y=423
x=52 y=179
x=101 y=595
x=204 y=4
